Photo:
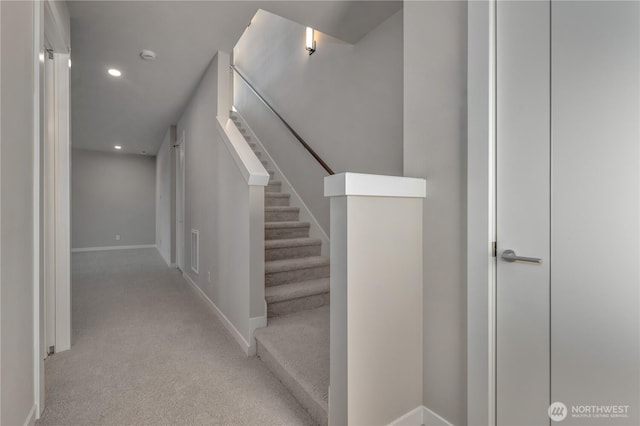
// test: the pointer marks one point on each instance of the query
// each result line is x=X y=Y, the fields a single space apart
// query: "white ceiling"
x=136 y=109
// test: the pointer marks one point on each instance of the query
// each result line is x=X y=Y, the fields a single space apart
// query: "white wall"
x=345 y=101
x=165 y=196
x=112 y=193
x=217 y=204
x=435 y=63
x=17 y=252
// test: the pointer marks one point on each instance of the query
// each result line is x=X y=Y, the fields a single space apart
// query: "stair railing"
x=293 y=132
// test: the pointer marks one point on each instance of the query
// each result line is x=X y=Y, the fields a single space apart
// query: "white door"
x=49 y=188
x=180 y=202
x=568 y=194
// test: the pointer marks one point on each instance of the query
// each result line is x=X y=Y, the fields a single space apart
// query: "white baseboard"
x=412 y=418
x=77 y=250
x=420 y=416
x=431 y=418
x=246 y=347
x=254 y=324
x=31 y=417
x=167 y=261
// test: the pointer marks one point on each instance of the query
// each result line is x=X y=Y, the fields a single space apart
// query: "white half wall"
x=376 y=297
x=345 y=100
x=112 y=194
x=435 y=147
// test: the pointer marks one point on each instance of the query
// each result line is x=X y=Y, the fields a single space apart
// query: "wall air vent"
x=195 y=250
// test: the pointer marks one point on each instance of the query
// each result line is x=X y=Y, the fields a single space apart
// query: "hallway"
x=146 y=350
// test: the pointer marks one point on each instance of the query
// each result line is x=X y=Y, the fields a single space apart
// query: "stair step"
x=252 y=145
x=285 y=230
x=292 y=248
x=296 y=349
x=276 y=199
x=278 y=272
x=264 y=163
x=295 y=297
x=274 y=186
x=281 y=213
x=258 y=154
x=271 y=173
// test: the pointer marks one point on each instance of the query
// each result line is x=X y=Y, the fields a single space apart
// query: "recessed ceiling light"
x=114 y=72
x=118 y=147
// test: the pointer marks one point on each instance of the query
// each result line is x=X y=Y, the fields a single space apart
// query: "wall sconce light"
x=310 y=43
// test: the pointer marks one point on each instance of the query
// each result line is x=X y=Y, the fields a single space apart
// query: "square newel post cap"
x=361 y=184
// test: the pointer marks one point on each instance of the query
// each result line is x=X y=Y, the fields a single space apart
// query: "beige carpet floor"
x=147 y=351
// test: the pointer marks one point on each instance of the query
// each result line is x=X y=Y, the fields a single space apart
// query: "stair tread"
x=281 y=209
x=281 y=293
x=276 y=194
x=292 y=242
x=273 y=266
x=299 y=343
x=286 y=224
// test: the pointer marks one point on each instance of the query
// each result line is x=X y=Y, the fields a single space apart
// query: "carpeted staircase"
x=295 y=343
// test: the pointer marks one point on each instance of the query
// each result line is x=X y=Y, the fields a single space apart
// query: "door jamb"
x=481 y=214
x=180 y=169
x=38 y=283
x=62 y=158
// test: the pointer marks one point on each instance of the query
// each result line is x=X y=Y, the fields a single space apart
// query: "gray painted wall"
x=112 y=193
x=165 y=196
x=345 y=100
x=435 y=64
x=201 y=153
x=16 y=179
x=217 y=204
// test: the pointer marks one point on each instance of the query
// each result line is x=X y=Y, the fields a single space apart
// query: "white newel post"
x=376 y=297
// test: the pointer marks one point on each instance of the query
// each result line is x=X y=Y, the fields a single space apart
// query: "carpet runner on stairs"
x=295 y=343
x=296 y=349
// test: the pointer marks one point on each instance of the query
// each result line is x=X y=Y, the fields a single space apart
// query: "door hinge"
x=494 y=249
x=50 y=53
x=51 y=351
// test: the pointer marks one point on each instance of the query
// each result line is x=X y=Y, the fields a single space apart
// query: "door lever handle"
x=510 y=256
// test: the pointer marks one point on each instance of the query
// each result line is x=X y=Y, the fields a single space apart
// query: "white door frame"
x=51 y=28
x=62 y=159
x=481 y=202
x=180 y=186
x=38 y=282
x=48 y=207
x=58 y=170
